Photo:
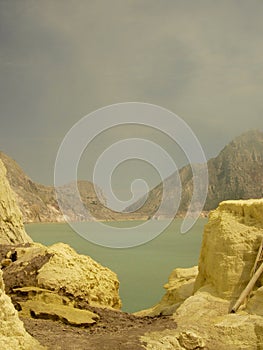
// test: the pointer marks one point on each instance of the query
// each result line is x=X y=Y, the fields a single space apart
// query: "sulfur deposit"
x=79 y=276
x=60 y=270
x=230 y=244
x=11 y=224
x=45 y=282
x=12 y=331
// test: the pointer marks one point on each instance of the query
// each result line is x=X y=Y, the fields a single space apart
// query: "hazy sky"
x=61 y=59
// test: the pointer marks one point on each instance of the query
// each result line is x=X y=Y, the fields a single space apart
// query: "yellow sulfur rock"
x=231 y=241
x=12 y=332
x=11 y=225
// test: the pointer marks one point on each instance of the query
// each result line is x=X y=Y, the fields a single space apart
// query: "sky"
x=61 y=60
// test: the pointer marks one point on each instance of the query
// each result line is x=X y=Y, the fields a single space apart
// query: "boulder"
x=60 y=269
x=11 y=224
x=80 y=277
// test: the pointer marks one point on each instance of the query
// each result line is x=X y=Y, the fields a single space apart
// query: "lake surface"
x=142 y=270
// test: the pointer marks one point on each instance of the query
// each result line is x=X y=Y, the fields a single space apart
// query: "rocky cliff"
x=45 y=282
x=38 y=203
x=11 y=224
x=236 y=173
x=229 y=247
x=231 y=241
x=12 y=331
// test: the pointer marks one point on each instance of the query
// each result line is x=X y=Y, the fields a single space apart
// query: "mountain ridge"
x=38 y=203
x=235 y=173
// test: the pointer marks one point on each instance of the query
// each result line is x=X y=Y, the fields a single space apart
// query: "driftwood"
x=255 y=274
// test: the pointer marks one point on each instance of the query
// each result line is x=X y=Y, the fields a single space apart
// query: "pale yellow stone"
x=12 y=332
x=79 y=276
x=43 y=303
x=239 y=332
x=255 y=304
x=166 y=342
x=43 y=296
x=11 y=224
x=190 y=340
x=68 y=273
x=207 y=317
x=230 y=245
x=58 y=311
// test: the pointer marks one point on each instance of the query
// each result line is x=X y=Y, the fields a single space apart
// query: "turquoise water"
x=142 y=270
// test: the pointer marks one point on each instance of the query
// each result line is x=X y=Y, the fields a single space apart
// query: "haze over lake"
x=142 y=270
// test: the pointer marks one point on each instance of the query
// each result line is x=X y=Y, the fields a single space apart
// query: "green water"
x=142 y=270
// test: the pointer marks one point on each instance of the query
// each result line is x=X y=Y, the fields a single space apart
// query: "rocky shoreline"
x=54 y=298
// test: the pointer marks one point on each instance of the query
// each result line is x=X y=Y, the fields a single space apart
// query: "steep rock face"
x=11 y=224
x=236 y=173
x=38 y=203
x=12 y=332
x=230 y=245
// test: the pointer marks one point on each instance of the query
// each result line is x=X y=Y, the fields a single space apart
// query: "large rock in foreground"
x=11 y=225
x=230 y=244
x=12 y=332
x=80 y=276
x=229 y=248
x=61 y=270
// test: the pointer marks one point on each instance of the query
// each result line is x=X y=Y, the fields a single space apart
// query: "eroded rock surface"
x=11 y=225
x=79 y=276
x=229 y=248
x=49 y=282
x=12 y=332
x=230 y=244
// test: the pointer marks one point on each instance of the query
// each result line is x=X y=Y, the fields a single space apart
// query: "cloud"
x=60 y=60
